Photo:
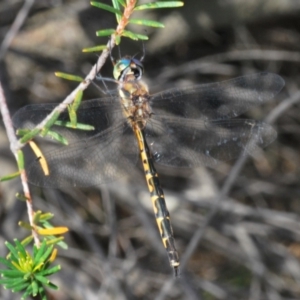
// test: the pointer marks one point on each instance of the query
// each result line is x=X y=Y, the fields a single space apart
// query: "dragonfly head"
x=128 y=66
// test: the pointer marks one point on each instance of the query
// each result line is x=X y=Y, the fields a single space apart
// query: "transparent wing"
x=92 y=157
x=218 y=100
x=192 y=143
x=101 y=155
x=87 y=162
x=100 y=113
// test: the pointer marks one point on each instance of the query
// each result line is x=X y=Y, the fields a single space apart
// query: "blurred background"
x=236 y=227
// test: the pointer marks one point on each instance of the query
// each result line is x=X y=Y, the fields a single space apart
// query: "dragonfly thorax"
x=134 y=97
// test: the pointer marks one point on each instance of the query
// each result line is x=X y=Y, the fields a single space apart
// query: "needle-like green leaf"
x=20 y=287
x=10 y=176
x=6 y=262
x=74 y=106
x=40 y=252
x=13 y=251
x=20 y=248
x=95 y=49
x=106 y=7
x=27 y=240
x=50 y=271
x=105 y=32
x=42 y=279
x=50 y=123
x=80 y=126
x=21 y=197
x=35 y=288
x=27 y=293
x=147 y=23
x=122 y=2
x=51 y=286
x=68 y=76
x=20 y=160
x=72 y=116
x=57 y=241
x=116 y=5
x=134 y=36
x=22 y=131
x=37 y=216
x=46 y=253
x=30 y=135
x=25 y=225
x=46 y=216
x=11 y=273
x=161 y=4
x=118 y=40
x=58 y=137
x=62 y=245
x=13 y=283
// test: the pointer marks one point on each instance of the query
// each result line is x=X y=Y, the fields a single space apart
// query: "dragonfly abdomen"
x=161 y=212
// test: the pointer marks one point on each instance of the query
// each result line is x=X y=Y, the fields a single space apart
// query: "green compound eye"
x=120 y=66
x=127 y=65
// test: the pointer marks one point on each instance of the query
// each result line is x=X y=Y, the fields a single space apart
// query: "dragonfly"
x=180 y=127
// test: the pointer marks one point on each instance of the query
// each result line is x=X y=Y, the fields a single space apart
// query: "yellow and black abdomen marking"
x=158 y=200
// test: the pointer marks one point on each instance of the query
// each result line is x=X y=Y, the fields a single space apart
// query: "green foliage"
x=57 y=137
x=95 y=49
x=123 y=11
x=105 y=32
x=28 y=134
x=10 y=176
x=28 y=273
x=134 y=36
x=50 y=122
x=20 y=160
x=69 y=76
x=51 y=234
x=159 y=4
x=147 y=23
x=79 y=126
x=107 y=7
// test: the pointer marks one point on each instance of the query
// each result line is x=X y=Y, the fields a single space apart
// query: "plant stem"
x=14 y=149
